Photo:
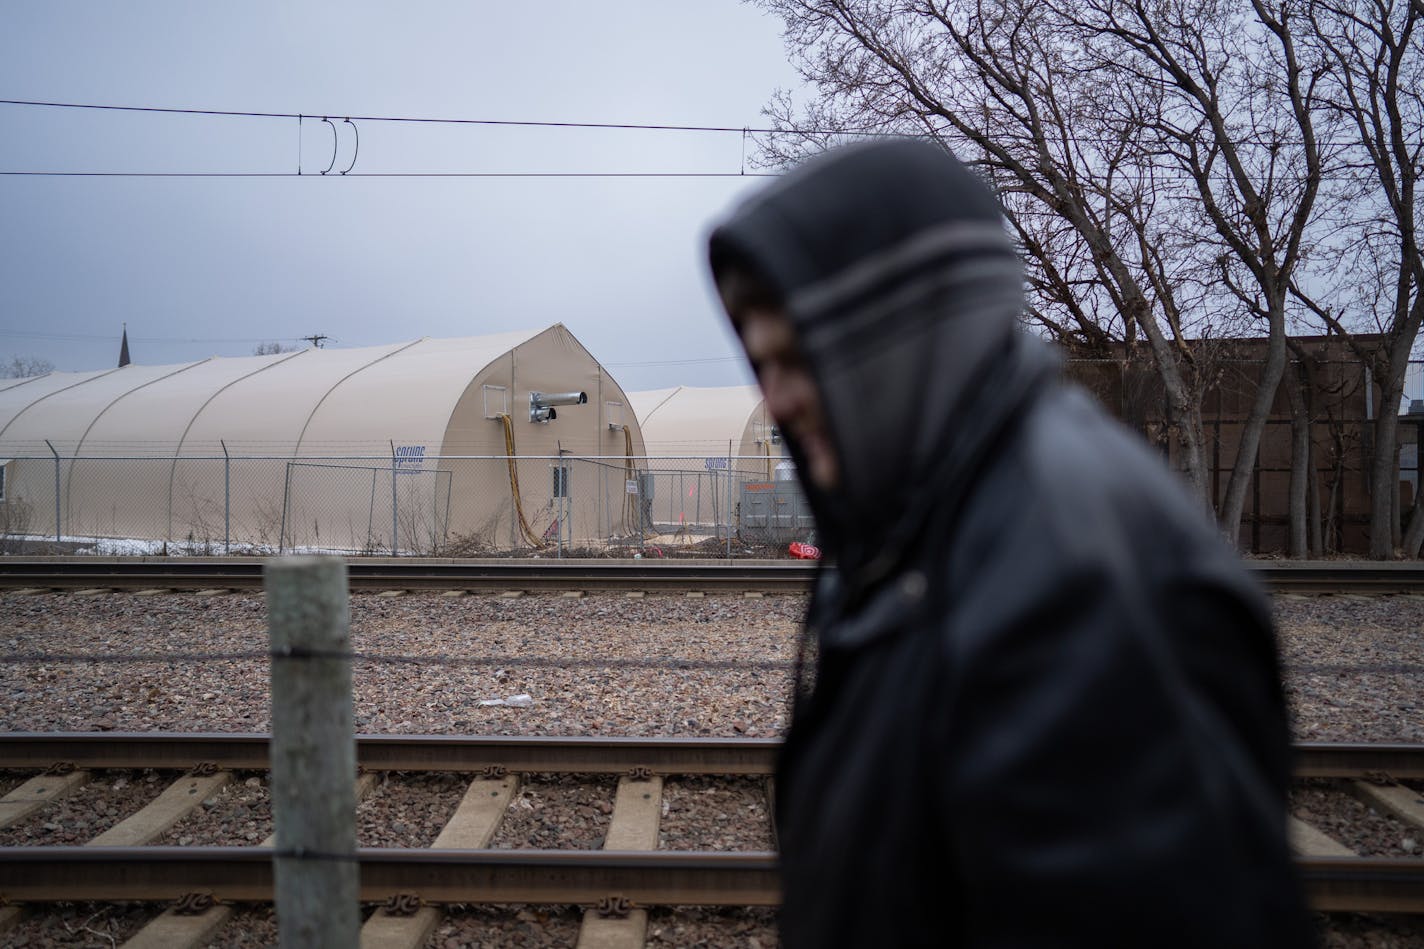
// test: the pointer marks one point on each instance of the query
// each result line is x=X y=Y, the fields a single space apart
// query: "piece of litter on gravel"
x=522 y=700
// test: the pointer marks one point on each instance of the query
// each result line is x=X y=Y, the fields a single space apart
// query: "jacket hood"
x=892 y=262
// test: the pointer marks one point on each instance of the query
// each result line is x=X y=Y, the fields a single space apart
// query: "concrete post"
x=313 y=753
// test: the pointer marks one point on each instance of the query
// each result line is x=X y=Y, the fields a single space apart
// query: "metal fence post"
x=729 y=500
x=227 y=499
x=313 y=753
x=561 y=482
x=445 y=525
x=395 y=548
x=56 y=490
x=286 y=502
x=371 y=513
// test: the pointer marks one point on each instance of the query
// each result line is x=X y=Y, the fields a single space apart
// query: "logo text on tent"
x=410 y=457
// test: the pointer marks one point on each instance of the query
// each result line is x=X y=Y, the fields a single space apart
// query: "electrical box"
x=773 y=512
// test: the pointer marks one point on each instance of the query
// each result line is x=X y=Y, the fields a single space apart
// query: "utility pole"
x=315 y=339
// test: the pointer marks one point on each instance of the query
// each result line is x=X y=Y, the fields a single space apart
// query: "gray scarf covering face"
x=893 y=264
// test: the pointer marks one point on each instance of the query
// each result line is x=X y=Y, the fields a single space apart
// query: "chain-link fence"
x=390 y=505
x=566 y=505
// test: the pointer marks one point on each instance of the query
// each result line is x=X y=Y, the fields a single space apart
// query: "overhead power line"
x=394 y=174
x=520 y=123
x=675 y=362
x=1263 y=141
x=109 y=337
x=348 y=171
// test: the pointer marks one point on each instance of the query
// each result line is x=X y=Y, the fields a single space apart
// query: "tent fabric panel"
x=267 y=412
x=407 y=397
x=15 y=399
x=63 y=416
x=698 y=420
x=159 y=413
x=119 y=409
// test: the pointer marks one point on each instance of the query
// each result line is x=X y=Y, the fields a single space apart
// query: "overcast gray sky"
x=204 y=266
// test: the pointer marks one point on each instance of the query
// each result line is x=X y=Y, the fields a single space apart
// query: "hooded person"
x=1044 y=707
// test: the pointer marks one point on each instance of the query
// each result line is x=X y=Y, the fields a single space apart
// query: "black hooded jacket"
x=1046 y=706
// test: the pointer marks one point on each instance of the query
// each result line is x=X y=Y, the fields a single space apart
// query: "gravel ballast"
x=1330 y=808
x=558 y=812
x=408 y=810
x=604 y=664
x=238 y=815
x=721 y=813
x=600 y=665
x=87 y=811
x=80 y=926
x=1354 y=666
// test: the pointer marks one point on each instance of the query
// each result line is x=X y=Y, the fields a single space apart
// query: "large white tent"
x=688 y=421
x=707 y=444
x=333 y=448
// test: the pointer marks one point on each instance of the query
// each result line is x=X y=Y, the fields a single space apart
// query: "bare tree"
x=1008 y=87
x=1158 y=162
x=20 y=367
x=272 y=349
x=1237 y=118
x=1372 y=272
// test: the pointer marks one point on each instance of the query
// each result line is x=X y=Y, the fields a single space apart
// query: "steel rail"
x=545 y=754
x=1363 y=884
x=41 y=874
x=646 y=878
x=410 y=574
x=249 y=752
x=1354 y=577
x=584 y=574
x=1358 y=760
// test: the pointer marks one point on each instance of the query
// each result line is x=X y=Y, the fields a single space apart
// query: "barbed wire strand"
x=674 y=663
x=664 y=663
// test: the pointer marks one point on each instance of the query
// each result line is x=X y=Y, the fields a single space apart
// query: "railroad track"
x=191 y=573
x=624 y=878
x=412 y=574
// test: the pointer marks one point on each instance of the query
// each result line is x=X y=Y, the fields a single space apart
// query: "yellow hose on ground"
x=532 y=538
x=631 y=502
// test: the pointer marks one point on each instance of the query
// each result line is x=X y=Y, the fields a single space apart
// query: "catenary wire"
x=520 y=123
x=393 y=174
x=511 y=123
x=1272 y=142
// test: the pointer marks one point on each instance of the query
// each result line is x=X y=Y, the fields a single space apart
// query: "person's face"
x=791 y=395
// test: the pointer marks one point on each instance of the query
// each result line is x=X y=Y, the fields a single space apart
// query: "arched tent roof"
x=49 y=382
x=689 y=420
x=308 y=402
